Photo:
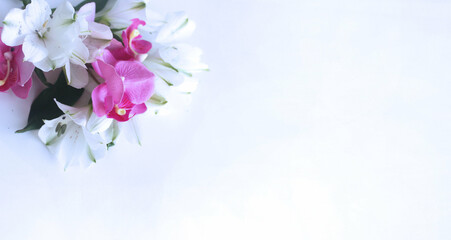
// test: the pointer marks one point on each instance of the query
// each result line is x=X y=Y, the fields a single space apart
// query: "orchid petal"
x=139 y=81
x=22 y=91
x=25 y=68
x=102 y=103
x=113 y=81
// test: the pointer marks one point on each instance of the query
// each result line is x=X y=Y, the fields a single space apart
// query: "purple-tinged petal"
x=138 y=80
x=141 y=46
x=25 y=68
x=88 y=11
x=22 y=91
x=138 y=109
x=101 y=102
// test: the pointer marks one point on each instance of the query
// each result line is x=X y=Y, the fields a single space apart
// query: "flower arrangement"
x=125 y=57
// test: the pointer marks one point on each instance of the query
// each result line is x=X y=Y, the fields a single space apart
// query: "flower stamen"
x=8 y=57
x=121 y=111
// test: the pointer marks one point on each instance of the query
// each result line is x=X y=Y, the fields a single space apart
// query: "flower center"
x=121 y=111
x=8 y=57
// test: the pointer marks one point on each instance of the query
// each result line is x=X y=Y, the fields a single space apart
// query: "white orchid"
x=55 y=40
x=78 y=137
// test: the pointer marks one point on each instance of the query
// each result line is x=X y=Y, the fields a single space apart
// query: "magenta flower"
x=134 y=44
x=15 y=74
x=128 y=83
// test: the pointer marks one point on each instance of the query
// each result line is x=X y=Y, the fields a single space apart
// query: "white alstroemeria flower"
x=78 y=137
x=118 y=14
x=171 y=99
x=169 y=59
x=173 y=63
x=28 y=27
x=177 y=26
x=55 y=40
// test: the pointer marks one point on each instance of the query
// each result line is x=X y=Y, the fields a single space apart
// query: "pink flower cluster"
x=15 y=74
x=128 y=83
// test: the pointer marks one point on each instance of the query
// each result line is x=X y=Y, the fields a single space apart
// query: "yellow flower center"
x=121 y=111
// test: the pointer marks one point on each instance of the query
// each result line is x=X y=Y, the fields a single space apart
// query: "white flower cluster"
x=174 y=62
x=75 y=40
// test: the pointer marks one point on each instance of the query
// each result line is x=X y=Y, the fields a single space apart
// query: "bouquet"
x=122 y=56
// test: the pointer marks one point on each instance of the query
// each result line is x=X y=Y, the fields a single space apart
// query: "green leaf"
x=100 y=4
x=42 y=77
x=25 y=3
x=44 y=106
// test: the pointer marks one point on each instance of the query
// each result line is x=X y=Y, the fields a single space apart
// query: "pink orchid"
x=15 y=74
x=128 y=83
x=134 y=44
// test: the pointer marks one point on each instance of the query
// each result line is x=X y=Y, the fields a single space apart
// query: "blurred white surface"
x=319 y=120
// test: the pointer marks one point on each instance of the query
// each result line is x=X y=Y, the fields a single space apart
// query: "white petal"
x=80 y=53
x=98 y=124
x=95 y=47
x=34 y=48
x=131 y=130
x=45 y=65
x=178 y=26
x=100 y=31
x=78 y=115
x=87 y=12
x=14 y=30
x=36 y=14
x=166 y=73
x=97 y=145
x=72 y=146
x=47 y=132
x=64 y=15
x=188 y=86
x=184 y=57
x=78 y=76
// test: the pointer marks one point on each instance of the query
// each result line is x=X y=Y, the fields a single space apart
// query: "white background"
x=319 y=120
